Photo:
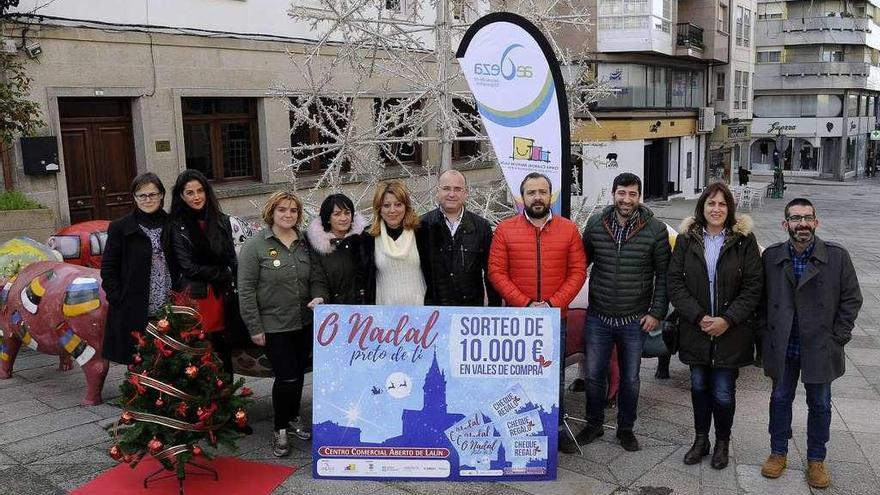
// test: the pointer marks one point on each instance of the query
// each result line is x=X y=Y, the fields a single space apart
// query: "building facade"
x=661 y=57
x=163 y=86
x=816 y=86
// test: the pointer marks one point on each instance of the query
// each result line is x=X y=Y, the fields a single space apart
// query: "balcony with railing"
x=689 y=35
x=689 y=40
x=817 y=75
x=817 y=30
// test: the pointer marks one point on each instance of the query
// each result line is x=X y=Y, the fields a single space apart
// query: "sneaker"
x=281 y=446
x=300 y=430
x=773 y=466
x=817 y=474
x=566 y=445
x=589 y=434
x=629 y=441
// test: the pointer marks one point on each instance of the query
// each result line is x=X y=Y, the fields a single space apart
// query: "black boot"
x=662 y=367
x=699 y=449
x=721 y=457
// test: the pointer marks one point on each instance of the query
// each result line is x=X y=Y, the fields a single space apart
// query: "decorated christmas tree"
x=176 y=397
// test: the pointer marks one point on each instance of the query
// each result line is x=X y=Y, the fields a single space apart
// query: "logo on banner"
x=616 y=75
x=525 y=149
x=505 y=68
x=611 y=160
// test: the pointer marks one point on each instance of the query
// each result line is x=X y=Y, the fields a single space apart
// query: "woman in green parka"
x=715 y=282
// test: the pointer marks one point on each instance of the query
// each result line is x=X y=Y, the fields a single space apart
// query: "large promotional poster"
x=435 y=393
x=517 y=84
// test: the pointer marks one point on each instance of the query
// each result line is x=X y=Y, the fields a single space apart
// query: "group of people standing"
x=792 y=308
x=801 y=297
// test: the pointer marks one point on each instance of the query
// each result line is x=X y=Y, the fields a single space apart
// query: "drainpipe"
x=6 y=160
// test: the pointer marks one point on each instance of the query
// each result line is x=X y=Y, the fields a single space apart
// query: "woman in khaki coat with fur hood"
x=714 y=282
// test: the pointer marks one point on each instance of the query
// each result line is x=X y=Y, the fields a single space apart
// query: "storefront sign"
x=739 y=131
x=435 y=393
x=801 y=127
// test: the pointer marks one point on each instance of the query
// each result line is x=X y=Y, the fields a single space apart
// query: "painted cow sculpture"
x=59 y=309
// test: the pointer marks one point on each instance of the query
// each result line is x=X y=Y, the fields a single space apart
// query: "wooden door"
x=98 y=157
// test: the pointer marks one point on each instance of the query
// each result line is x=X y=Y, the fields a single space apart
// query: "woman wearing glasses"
x=135 y=273
x=715 y=281
x=278 y=287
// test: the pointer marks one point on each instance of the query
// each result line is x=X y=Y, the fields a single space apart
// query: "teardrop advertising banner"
x=517 y=84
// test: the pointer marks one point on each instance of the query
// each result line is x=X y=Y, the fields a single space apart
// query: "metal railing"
x=689 y=35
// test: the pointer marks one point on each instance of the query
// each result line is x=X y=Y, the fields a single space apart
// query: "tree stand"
x=200 y=470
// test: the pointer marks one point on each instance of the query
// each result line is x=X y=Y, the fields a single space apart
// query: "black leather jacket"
x=197 y=264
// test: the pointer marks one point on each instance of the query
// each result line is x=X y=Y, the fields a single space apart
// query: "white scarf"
x=399 y=248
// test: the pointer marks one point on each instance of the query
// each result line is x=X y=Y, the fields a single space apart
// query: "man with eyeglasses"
x=458 y=243
x=811 y=302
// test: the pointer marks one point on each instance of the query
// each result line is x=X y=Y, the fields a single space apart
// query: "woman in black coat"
x=715 y=281
x=335 y=237
x=201 y=238
x=135 y=272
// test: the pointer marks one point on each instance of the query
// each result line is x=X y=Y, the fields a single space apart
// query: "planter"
x=37 y=224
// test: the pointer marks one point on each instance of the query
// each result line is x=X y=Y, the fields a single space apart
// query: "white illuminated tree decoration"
x=401 y=54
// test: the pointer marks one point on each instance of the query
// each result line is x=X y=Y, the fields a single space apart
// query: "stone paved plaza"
x=49 y=444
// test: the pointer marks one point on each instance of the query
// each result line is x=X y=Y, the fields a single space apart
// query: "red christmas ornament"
x=181 y=409
x=191 y=371
x=132 y=368
x=202 y=335
x=116 y=453
x=220 y=384
x=246 y=392
x=127 y=458
x=138 y=359
x=197 y=450
x=126 y=418
x=163 y=325
x=241 y=418
x=155 y=446
x=160 y=402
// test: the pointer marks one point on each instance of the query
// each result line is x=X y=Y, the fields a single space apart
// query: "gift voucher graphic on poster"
x=447 y=393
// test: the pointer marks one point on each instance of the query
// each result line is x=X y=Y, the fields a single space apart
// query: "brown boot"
x=818 y=475
x=773 y=466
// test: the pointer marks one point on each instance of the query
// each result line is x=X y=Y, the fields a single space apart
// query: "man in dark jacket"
x=458 y=244
x=812 y=299
x=629 y=250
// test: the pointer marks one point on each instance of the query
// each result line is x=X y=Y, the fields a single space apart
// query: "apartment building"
x=816 y=86
x=161 y=86
x=669 y=62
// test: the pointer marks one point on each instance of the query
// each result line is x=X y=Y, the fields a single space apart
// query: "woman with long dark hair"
x=201 y=239
x=335 y=237
x=715 y=282
x=135 y=272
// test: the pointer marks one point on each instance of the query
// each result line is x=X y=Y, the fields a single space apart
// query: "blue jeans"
x=600 y=340
x=818 y=415
x=713 y=394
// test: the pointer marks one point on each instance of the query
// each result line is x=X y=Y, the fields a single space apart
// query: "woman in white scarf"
x=392 y=250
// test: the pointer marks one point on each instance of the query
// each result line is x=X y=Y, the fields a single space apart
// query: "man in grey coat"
x=812 y=299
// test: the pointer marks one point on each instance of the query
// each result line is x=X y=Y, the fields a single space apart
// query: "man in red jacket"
x=538 y=260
